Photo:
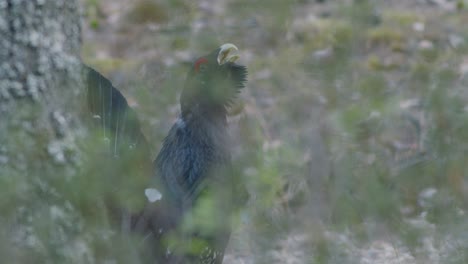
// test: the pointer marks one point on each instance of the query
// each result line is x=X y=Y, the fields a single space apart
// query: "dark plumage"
x=190 y=223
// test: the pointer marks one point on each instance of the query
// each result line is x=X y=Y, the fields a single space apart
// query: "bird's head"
x=213 y=81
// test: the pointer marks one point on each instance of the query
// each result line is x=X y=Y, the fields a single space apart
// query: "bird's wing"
x=128 y=164
x=111 y=112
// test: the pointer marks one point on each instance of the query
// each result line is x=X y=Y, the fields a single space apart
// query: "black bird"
x=190 y=198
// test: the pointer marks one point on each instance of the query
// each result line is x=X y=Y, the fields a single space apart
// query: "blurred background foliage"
x=351 y=136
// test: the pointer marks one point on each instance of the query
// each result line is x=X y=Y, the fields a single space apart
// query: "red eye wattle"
x=199 y=62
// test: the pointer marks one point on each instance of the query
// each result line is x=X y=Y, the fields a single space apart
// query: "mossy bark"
x=40 y=129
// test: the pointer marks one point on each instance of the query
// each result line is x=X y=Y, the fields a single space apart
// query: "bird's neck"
x=207 y=125
x=215 y=114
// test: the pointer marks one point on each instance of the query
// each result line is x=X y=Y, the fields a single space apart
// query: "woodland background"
x=352 y=131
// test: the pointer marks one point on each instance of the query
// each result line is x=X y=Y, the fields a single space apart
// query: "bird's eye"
x=200 y=64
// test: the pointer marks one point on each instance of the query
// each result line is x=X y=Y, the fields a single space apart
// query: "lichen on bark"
x=39 y=47
x=41 y=101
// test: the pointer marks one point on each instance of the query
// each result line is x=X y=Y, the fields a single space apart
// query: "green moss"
x=329 y=32
x=145 y=11
x=372 y=85
x=94 y=23
x=384 y=35
x=399 y=17
x=429 y=55
x=398 y=47
x=180 y=43
x=421 y=73
x=374 y=62
x=353 y=115
x=377 y=64
x=92 y=12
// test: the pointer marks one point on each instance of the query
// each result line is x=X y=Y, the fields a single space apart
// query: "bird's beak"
x=226 y=53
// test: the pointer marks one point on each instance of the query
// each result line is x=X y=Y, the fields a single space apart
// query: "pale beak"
x=225 y=53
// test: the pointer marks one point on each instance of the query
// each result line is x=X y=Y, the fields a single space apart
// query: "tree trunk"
x=39 y=78
x=40 y=130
